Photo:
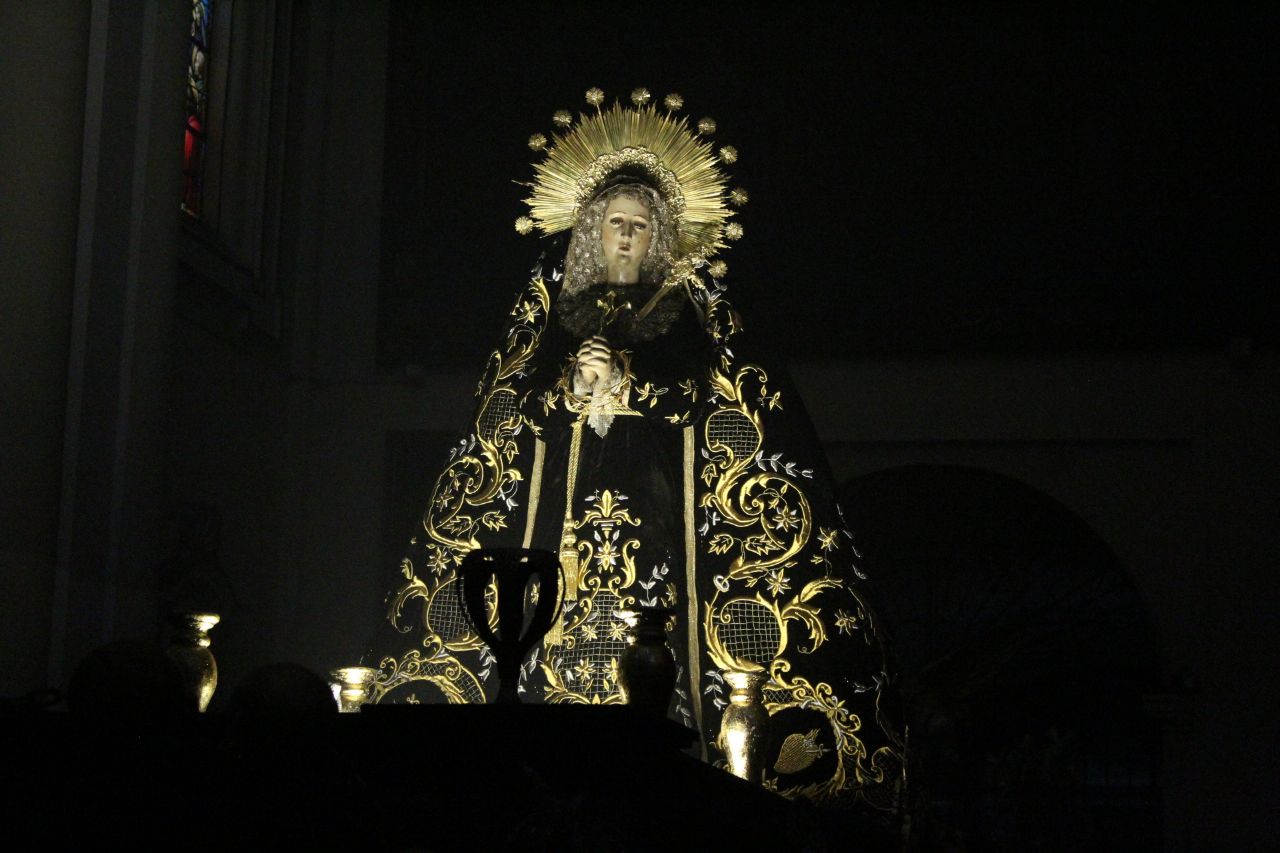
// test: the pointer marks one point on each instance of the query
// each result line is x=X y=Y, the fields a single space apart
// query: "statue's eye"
x=640 y=226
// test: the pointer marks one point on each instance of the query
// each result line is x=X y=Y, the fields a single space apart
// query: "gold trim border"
x=535 y=489
x=691 y=586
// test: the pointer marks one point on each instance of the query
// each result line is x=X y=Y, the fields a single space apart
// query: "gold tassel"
x=569 y=564
x=569 y=568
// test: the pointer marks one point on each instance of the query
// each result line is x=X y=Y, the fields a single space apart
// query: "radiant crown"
x=657 y=147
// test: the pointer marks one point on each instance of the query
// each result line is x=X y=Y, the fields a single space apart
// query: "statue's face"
x=625 y=234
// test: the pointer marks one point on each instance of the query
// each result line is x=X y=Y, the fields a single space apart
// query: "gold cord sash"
x=568 y=539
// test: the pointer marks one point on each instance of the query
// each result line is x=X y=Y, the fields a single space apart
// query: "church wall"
x=284 y=435
x=116 y=369
x=1230 y=603
x=228 y=450
x=43 y=56
x=1172 y=459
x=296 y=470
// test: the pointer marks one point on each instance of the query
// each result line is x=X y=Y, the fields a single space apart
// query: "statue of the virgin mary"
x=623 y=424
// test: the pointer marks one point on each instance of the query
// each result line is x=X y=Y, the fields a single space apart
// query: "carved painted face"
x=625 y=235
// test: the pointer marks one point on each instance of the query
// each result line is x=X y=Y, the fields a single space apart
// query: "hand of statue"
x=595 y=360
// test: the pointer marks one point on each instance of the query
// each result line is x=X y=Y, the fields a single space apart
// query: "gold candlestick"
x=744 y=727
x=353 y=686
x=189 y=649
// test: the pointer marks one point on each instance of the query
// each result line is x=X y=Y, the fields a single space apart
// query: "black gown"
x=707 y=493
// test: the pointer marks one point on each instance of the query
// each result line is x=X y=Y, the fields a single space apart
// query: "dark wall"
x=1008 y=179
x=43 y=57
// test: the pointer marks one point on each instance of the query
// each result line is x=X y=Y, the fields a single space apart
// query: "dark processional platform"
x=429 y=777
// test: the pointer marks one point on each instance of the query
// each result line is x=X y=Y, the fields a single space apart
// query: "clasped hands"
x=594 y=361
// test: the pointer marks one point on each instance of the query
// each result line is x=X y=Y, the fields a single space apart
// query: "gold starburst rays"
x=659 y=147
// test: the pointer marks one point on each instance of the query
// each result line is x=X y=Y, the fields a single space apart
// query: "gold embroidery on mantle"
x=535 y=490
x=582 y=669
x=768 y=507
x=758 y=518
x=472 y=495
x=458 y=684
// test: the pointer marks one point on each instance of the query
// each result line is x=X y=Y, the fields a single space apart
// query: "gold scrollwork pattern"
x=444 y=672
x=768 y=508
x=874 y=778
x=470 y=499
x=776 y=569
x=850 y=750
x=583 y=667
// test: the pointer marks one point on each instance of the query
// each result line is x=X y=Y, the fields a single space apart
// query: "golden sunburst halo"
x=661 y=146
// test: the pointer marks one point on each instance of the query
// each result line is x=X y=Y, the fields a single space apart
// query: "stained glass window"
x=197 y=106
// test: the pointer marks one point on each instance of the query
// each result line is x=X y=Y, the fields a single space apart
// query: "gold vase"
x=352 y=683
x=744 y=726
x=189 y=649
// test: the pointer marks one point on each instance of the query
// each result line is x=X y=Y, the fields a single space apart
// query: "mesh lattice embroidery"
x=500 y=409
x=470 y=692
x=751 y=631
x=445 y=615
x=605 y=648
x=734 y=430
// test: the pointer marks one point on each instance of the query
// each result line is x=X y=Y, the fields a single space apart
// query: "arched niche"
x=1024 y=652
